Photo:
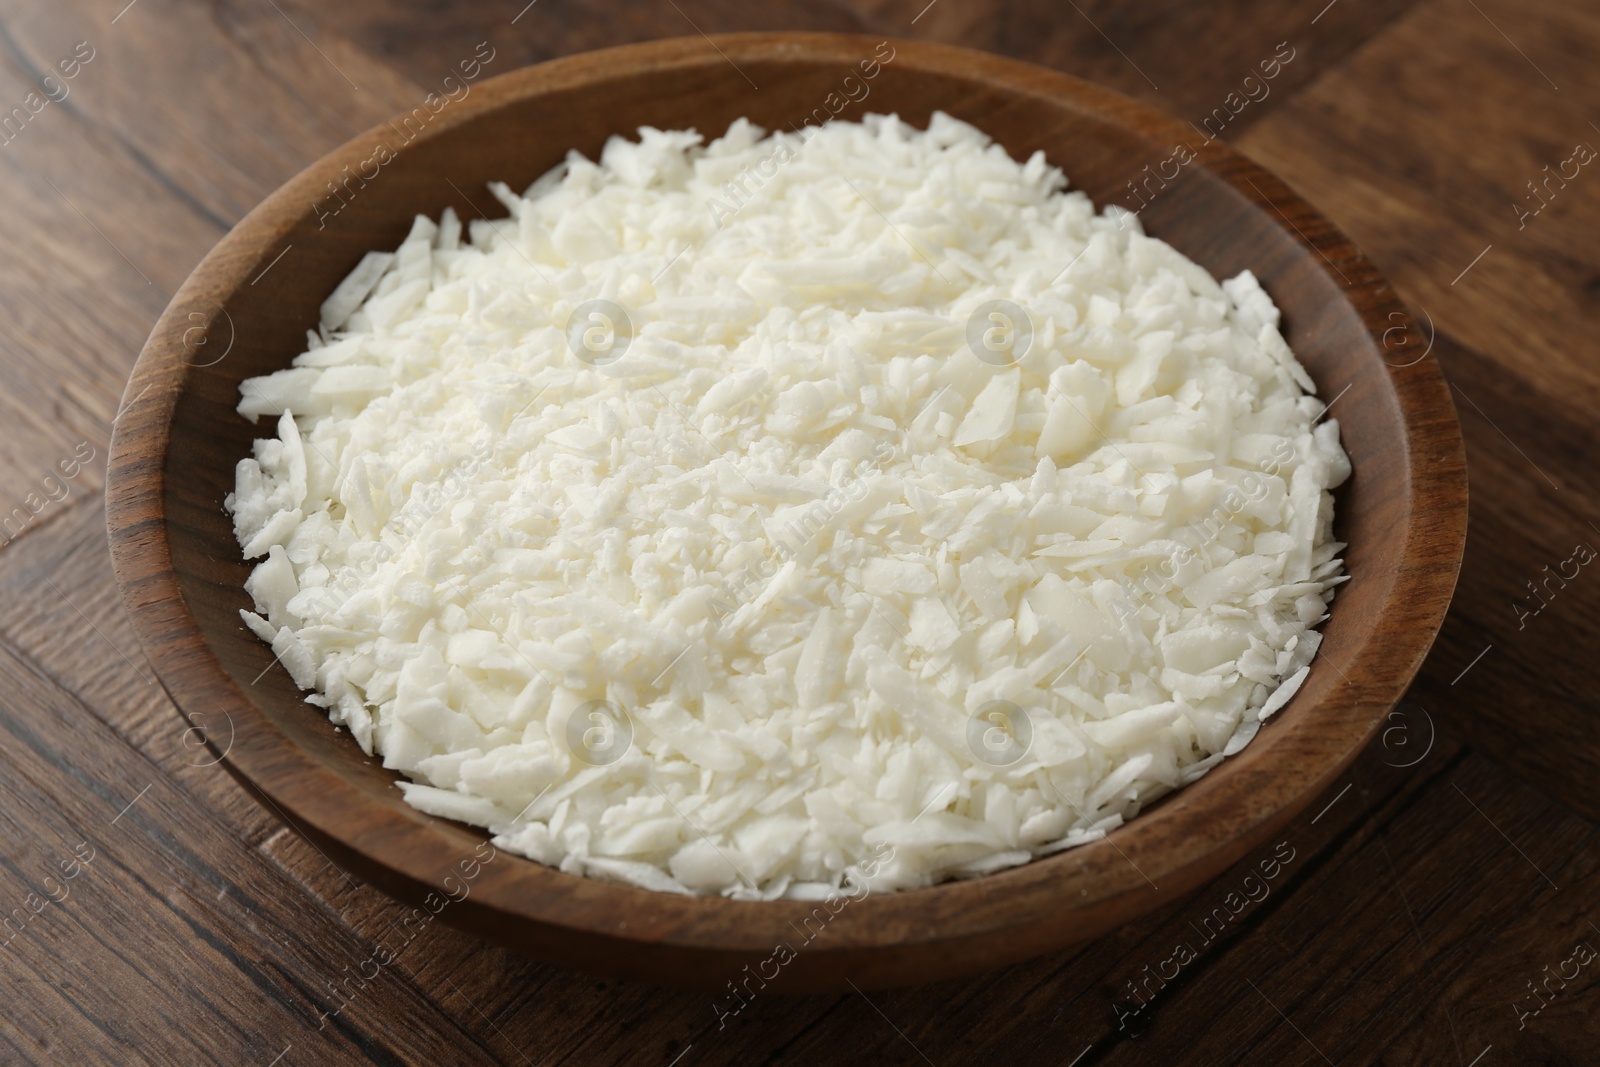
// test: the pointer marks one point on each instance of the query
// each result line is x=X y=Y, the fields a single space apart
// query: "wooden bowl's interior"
x=1103 y=143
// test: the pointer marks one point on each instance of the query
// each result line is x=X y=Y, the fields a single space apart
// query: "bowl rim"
x=598 y=923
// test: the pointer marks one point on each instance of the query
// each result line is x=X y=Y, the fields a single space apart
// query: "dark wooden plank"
x=1424 y=188
x=171 y=918
x=64 y=617
x=425 y=40
x=1527 y=699
x=1144 y=50
x=67 y=620
x=1419 y=934
x=1424 y=198
x=137 y=170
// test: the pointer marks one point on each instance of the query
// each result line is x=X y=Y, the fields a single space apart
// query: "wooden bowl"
x=246 y=309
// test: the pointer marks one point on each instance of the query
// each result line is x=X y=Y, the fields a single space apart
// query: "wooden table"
x=1436 y=906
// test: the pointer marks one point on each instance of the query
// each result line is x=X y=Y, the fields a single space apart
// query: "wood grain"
x=1411 y=125
x=1139 y=50
x=123 y=201
x=1515 y=333
x=70 y=782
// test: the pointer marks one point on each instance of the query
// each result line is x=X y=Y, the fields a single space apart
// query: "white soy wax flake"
x=746 y=516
